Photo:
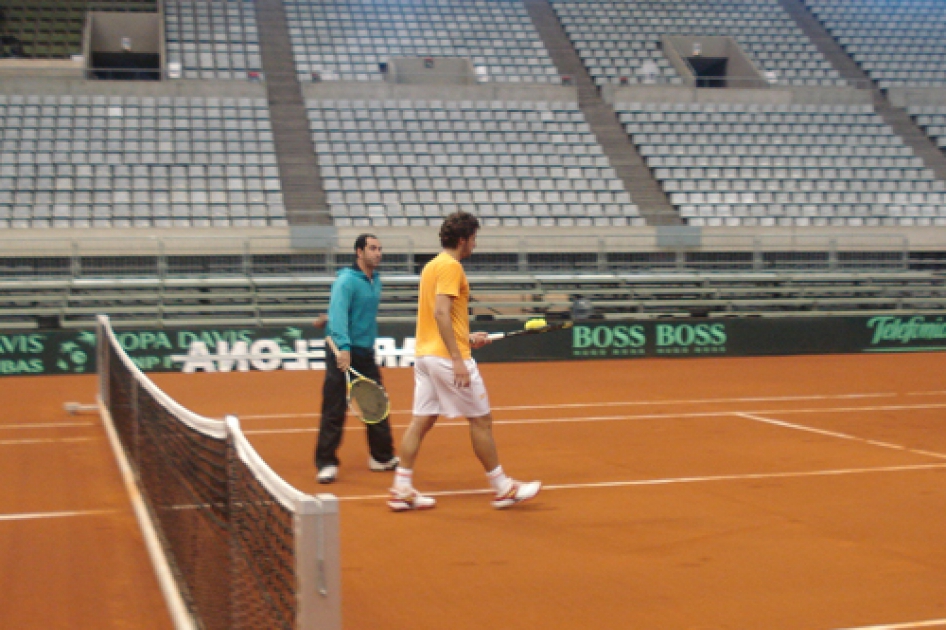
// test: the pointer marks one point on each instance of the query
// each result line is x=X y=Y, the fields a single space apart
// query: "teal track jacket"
x=353 y=309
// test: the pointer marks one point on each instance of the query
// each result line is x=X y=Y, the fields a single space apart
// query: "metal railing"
x=791 y=251
x=161 y=257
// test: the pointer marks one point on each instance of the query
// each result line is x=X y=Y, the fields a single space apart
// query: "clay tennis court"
x=748 y=493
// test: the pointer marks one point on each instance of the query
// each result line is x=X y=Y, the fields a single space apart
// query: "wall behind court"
x=231 y=349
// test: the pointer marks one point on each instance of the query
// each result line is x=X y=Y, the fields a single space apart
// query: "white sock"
x=498 y=479
x=403 y=478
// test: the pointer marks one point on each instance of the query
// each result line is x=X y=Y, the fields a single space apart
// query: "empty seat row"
x=335 y=40
x=475 y=176
x=834 y=180
x=913 y=200
x=819 y=221
x=161 y=210
x=227 y=106
x=866 y=158
x=436 y=219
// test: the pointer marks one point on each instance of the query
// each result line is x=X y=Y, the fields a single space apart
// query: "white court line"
x=838 y=434
x=930 y=623
x=47 y=425
x=28 y=516
x=625 y=403
x=46 y=441
x=684 y=480
x=655 y=416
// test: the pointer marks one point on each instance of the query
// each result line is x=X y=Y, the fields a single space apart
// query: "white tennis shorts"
x=436 y=395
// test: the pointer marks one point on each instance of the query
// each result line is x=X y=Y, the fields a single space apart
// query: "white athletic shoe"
x=411 y=499
x=517 y=492
x=376 y=466
x=327 y=474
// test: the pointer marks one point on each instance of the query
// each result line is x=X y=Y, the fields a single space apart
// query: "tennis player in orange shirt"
x=446 y=379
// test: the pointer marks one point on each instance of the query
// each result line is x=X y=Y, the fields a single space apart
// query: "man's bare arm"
x=442 y=308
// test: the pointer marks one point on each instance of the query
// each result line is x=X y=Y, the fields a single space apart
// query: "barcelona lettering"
x=273 y=354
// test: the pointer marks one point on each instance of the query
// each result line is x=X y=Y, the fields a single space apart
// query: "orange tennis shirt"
x=443 y=275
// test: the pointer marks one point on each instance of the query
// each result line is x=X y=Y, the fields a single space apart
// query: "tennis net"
x=234 y=545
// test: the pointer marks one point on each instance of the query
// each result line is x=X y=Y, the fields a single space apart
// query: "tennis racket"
x=365 y=396
x=532 y=327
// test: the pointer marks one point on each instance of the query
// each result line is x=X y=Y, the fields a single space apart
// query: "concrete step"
x=628 y=164
x=301 y=178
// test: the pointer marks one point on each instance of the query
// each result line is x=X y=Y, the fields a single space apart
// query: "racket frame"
x=330 y=343
x=531 y=331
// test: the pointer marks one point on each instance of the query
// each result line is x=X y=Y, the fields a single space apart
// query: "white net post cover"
x=302 y=546
x=101 y=357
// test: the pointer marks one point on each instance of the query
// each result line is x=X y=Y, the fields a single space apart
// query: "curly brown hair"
x=457 y=226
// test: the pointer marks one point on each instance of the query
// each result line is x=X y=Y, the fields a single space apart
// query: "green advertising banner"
x=241 y=349
x=56 y=352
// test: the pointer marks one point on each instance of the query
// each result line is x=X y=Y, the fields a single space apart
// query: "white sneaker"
x=376 y=466
x=517 y=492
x=410 y=499
x=327 y=474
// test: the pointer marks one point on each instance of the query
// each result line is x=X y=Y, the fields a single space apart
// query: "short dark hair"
x=457 y=226
x=362 y=241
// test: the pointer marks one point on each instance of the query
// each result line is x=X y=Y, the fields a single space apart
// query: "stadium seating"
x=98 y=161
x=213 y=39
x=784 y=165
x=346 y=40
x=615 y=38
x=898 y=44
x=124 y=161
x=512 y=163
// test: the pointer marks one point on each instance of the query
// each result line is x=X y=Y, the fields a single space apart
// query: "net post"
x=101 y=358
x=318 y=563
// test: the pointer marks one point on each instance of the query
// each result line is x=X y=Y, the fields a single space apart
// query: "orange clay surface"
x=804 y=493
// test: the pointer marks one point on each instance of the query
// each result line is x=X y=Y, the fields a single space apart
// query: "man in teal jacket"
x=353 y=326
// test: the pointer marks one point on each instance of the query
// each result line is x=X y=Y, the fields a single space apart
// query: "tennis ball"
x=535 y=323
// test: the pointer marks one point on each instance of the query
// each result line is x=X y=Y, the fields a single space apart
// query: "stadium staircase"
x=303 y=193
x=896 y=117
x=625 y=160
